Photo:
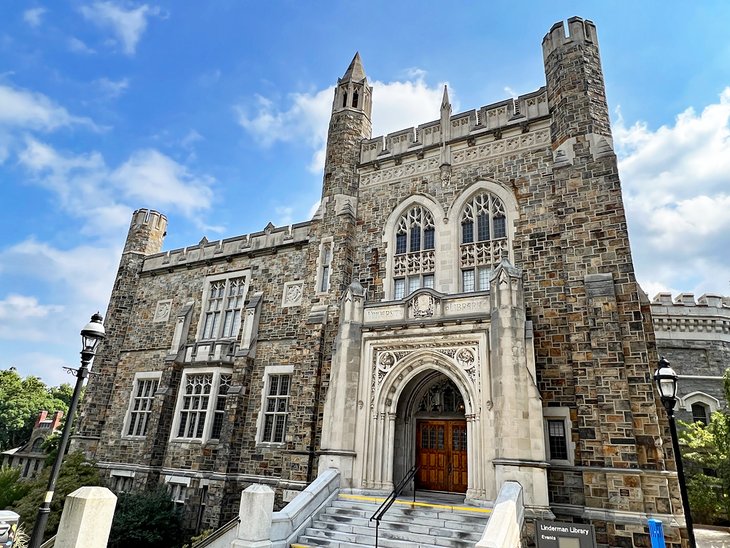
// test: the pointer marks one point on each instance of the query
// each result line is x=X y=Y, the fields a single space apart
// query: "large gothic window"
x=483 y=238
x=414 y=260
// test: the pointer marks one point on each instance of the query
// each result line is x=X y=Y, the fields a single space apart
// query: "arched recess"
x=713 y=404
x=454 y=214
x=403 y=381
x=442 y=236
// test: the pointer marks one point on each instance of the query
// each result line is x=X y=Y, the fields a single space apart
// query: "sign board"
x=554 y=534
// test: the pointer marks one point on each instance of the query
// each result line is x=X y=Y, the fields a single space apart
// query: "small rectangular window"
x=220 y=406
x=467 y=280
x=414 y=282
x=325 y=270
x=140 y=408
x=500 y=227
x=483 y=281
x=428 y=238
x=557 y=439
x=483 y=227
x=415 y=238
x=428 y=280
x=399 y=288
x=276 y=409
x=400 y=244
x=467 y=232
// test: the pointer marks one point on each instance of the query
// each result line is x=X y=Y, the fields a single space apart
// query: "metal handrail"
x=388 y=502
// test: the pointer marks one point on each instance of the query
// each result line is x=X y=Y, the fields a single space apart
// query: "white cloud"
x=34 y=16
x=88 y=188
x=77 y=46
x=24 y=109
x=78 y=280
x=127 y=25
x=21 y=307
x=396 y=105
x=150 y=176
x=112 y=88
x=676 y=183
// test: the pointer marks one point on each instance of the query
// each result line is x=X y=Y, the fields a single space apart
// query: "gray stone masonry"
x=580 y=335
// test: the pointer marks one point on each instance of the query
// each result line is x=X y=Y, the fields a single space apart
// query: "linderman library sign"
x=553 y=534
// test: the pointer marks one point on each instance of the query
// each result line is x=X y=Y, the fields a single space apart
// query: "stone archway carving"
x=392 y=367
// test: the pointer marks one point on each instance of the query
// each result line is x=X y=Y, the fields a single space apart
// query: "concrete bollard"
x=255 y=513
x=87 y=518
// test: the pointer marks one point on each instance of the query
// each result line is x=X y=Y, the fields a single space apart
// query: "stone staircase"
x=427 y=524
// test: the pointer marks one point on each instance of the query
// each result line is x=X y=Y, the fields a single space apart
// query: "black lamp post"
x=91 y=336
x=666 y=383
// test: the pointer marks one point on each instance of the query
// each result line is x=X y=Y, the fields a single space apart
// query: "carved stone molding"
x=464 y=356
x=292 y=294
x=162 y=311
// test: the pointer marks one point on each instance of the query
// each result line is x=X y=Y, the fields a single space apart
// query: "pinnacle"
x=355 y=71
x=445 y=103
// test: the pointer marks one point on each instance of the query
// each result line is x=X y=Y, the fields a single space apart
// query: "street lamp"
x=91 y=336
x=666 y=383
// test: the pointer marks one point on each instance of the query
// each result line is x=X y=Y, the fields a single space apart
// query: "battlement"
x=707 y=318
x=684 y=300
x=579 y=30
x=270 y=239
x=489 y=119
x=150 y=217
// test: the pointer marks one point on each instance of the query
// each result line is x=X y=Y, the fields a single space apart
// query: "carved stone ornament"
x=162 y=311
x=422 y=306
x=292 y=295
x=465 y=358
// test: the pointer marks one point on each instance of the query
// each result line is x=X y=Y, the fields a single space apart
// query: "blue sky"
x=215 y=113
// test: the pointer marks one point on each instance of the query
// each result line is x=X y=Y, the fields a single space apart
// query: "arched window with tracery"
x=483 y=239
x=414 y=259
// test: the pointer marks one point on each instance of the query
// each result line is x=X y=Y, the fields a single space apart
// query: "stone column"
x=255 y=513
x=340 y=409
x=87 y=518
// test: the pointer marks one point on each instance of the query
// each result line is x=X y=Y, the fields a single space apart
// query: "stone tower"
x=145 y=237
x=594 y=341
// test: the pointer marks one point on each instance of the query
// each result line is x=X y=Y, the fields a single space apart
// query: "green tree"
x=146 y=520
x=21 y=399
x=10 y=488
x=705 y=449
x=76 y=472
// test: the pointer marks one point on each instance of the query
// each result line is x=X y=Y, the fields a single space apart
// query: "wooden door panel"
x=441 y=455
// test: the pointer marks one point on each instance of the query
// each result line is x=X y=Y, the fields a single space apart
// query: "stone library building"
x=464 y=300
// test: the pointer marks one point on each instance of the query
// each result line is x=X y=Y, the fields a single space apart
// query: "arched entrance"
x=431 y=431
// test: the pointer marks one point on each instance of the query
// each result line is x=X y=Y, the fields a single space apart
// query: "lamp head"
x=92 y=334
x=665 y=379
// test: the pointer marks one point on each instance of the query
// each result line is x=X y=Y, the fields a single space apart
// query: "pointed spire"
x=355 y=71
x=445 y=103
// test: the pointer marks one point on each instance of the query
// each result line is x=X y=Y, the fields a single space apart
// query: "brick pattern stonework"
x=582 y=335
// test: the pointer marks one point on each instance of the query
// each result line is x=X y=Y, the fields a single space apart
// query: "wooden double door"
x=441 y=455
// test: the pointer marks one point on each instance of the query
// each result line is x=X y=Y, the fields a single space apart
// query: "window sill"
x=270 y=445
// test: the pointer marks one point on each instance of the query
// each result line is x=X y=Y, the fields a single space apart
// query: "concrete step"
x=397 y=531
x=451 y=529
x=346 y=524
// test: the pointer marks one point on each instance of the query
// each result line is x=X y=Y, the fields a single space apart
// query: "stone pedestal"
x=87 y=518
x=255 y=513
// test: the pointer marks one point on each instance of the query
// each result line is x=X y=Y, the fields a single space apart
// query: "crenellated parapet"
x=488 y=121
x=268 y=240
x=146 y=232
x=579 y=31
x=683 y=317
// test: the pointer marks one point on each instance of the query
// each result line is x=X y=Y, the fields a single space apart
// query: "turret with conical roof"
x=353 y=91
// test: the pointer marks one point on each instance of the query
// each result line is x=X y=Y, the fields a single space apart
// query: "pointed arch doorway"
x=433 y=433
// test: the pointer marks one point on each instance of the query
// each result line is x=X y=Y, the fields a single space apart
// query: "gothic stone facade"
x=695 y=338
x=464 y=299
